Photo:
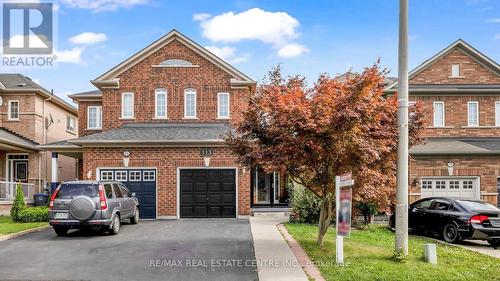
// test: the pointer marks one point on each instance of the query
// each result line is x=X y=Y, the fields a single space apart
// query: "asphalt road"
x=205 y=249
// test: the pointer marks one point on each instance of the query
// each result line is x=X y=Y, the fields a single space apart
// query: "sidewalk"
x=275 y=260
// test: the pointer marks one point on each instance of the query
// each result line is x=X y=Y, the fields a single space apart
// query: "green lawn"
x=8 y=227
x=368 y=256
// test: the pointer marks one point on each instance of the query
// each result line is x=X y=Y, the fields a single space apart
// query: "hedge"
x=34 y=214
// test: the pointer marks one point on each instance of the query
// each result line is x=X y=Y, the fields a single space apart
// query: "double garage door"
x=466 y=188
x=140 y=181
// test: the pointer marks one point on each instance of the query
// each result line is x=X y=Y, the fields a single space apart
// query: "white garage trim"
x=476 y=181
x=178 y=193
x=98 y=175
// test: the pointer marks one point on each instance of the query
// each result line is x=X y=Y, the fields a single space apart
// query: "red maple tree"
x=331 y=128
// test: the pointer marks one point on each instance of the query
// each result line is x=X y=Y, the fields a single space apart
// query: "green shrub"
x=368 y=210
x=34 y=214
x=305 y=205
x=18 y=204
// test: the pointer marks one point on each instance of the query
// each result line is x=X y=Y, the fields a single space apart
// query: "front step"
x=270 y=212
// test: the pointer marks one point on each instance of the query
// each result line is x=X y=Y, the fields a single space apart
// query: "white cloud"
x=292 y=50
x=497 y=20
x=103 y=5
x=227 y=53
x=70 y=56
x=88 y=38
x=201 y=16
x=276 y=28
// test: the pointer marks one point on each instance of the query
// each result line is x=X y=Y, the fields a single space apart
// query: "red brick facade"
x=485 y=168
x=208 y=79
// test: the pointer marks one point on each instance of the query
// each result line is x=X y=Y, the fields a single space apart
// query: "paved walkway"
x=275 y=260
x=481 y=247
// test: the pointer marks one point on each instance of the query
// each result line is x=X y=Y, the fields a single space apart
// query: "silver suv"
x=93 y=204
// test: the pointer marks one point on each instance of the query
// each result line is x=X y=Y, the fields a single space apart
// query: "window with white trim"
x=440 y=184
x=128 y=105
x=106 y=175
x=135 y=175
x=438 y=113
x=190 y=103
x=121 y=175
x=472 y=113
x=427 y=184
x=13 y=110
x=497 y=115
x=160 y=103
x=454 y=184
x=223 y=105
x=455 y=70
x=467 y=184
x=94 y=117
x=70 y=124
x=148 y=175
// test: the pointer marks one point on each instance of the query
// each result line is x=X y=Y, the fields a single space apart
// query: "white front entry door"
x=457 y=187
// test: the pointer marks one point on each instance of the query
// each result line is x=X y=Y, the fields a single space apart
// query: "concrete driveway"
x=481 y=247
x=205 y=249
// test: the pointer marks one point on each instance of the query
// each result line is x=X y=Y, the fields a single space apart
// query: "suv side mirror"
x=133 y=194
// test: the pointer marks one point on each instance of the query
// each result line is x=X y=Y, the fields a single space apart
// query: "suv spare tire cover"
x=82 y=208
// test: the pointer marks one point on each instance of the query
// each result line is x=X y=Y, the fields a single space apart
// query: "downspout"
x=44 y=142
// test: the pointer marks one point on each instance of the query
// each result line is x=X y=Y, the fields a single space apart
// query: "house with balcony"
x=30 y=116
x=156 y=122
x=460 y=91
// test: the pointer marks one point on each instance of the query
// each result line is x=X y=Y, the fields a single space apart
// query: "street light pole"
x=402 y=169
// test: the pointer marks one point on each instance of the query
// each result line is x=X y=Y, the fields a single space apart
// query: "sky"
x=305 y=37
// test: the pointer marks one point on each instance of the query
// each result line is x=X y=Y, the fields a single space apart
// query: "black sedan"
x=455 y=219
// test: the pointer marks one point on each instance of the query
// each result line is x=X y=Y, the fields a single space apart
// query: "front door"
x=267 y=189
x=20 y=171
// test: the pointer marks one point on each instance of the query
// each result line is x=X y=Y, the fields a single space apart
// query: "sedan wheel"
x=495 y=243
x=135 y=218
x=450 y=233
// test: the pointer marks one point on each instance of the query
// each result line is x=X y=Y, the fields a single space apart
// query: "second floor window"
x=13 y=109
x=497 y=113
x=438 y=111
x=70 y=124
x=473 y=113
x=223 y=105
x=127 y=105
x=190 y=103
x=94 y=117
x=160 y=103
x=455 y=70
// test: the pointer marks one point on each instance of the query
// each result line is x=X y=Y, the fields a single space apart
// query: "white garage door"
x=467 y=188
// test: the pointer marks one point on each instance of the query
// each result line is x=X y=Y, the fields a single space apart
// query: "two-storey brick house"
x=157 y=123
x=31 y=116
x=460 y=90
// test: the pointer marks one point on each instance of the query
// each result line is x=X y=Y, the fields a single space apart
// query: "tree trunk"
x=325 y=217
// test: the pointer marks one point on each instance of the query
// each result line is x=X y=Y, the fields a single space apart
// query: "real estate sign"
x=344 y=213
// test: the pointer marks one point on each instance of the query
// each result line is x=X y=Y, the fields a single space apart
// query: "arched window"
x=190 y=103
x=161 y=103
x=175 y=63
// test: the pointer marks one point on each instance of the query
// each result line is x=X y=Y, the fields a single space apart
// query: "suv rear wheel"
x=115 y=225
x=135 y=218
x=60 y=230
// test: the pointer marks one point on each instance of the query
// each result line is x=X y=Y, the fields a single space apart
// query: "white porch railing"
x=8 y=190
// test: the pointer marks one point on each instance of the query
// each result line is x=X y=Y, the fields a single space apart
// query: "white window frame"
x=434 y=114
x=497 y=115
x=105 y=174
x=148 y=175
x=120 y=177
x=9 y=116
x=135 y=175
x=190 y=91
x=455 y=70
x=219 y=116
x=70 y=128
x=98 y=118
x=132 y=105
x=161 y=91
x=469 y=116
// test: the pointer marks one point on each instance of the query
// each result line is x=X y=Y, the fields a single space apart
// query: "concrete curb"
x=311 y=270
x=24 y=232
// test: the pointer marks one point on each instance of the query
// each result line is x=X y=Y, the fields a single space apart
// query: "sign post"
x=343 y=202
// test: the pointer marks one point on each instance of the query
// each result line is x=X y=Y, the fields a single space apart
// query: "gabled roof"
x=464 y=46
x=16 y=82
x=109 y=79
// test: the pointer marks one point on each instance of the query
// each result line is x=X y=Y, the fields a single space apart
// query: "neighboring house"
x=460 y=90
x=157 y=124
x=31 y=116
